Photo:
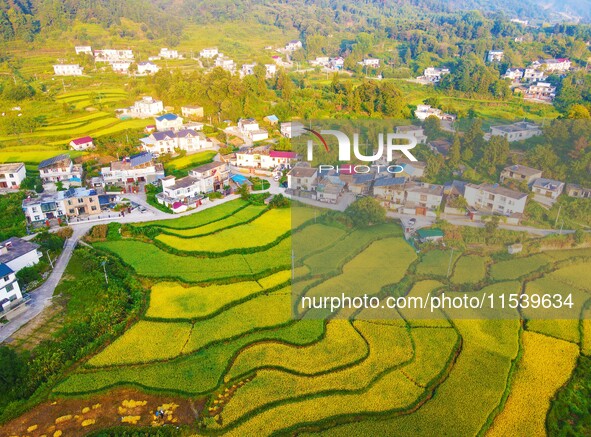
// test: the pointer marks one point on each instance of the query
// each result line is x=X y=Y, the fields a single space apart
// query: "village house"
x=10 y=291
x=548 y=188
x=533 y=75
x=514 y=74
x=517 y=131
x=146 y=107
x=328 y=192
x=422 y=198
x=112 y=55
x=83 y=143
x=303 y=178
x=247 y=69
x=270 y=70
x=209 y=53
x=12 y=175
x=146 y=68
x=494 y=56
x=559 y=65
x=250 y=129
x=542 y=90
x=321 y=61
x=370 y=62
x=136 y=168
x=390 y=191
x=180 y=194
x=168 y=53
x=293 y=45
x=60 y=169
x=520 y=173
x=192 y=111
x=361 y=183
x=271 y=119
x=121 y=66
x=424 y=111
x=440 y=146
x=494 y=199
x=414 y=131
x=291 y=129
x=67 y=70
x=453 y=196
x=225 y=63
x=86 y=50
x=575 y=190
x=411 y=169
x=336 y=63
x=433 y=74
x=17 y=253
x=170 y=141
x=168 y=121
x=264 y=158
x=73 y=202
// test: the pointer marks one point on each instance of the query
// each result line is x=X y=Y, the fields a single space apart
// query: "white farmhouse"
x=209 y=53
x=168 y=54
x=12 y=174
x=517 y=131
x=494 y=56
x=10 y=291
x=83 y=143
x=17 y=253
x=293 y=45
x=495 y=199
x=67 y=70
x=147 y=68
x=86 y=50
x=147 y=107
x=168 y=122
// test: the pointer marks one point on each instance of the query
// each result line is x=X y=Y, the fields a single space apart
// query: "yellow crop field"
x=545 y=366
x=260 y=232
x=146 y=341
x=340 y=346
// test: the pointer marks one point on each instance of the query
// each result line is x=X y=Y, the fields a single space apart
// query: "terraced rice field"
x=223 y=326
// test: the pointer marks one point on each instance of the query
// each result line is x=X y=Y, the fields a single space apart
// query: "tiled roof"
x=49 y=162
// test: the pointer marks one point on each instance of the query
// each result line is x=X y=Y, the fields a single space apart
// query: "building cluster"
x=531 y=80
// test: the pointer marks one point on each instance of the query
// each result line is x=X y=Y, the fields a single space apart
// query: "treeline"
x=226 y=96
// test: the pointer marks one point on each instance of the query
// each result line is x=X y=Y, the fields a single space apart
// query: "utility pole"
x=557 y=215
x=49 y=258
x=451 y=255
x=105 y=270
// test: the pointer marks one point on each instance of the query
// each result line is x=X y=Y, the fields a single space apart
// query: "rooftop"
x=522 y=169
x=168 y=117
x=51 y=161
x=517 y=127
x=17 y=247
x=303 y=172
x=82 y=140
x=497 y=189
x=5 y=270
x=548 y=184
x=207 y=167
x=11 y=167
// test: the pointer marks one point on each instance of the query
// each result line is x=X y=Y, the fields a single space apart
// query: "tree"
x=454 y=152
x=12 y=370
x=579 y=236
x=432 y=127
x=244 y=191
x=366 y=211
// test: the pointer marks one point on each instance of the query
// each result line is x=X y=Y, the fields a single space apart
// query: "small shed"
x=429 y=235
x=515 y=248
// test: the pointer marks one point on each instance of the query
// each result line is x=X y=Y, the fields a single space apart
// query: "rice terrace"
x=218 y=332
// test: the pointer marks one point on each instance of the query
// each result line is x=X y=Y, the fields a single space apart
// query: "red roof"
x=279 y=154
x=176 y=205
x=82 y=140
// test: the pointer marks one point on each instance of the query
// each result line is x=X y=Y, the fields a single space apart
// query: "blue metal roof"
x=384 y=182
x=169 y=117
x=5 y=270
x=140 y=158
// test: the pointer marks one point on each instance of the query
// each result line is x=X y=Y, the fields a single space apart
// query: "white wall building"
x=87 y=50
x=168 y=54
x=147 y=68
x=293 y=45
x=517 y=131
x=494 y=56
x=120 y=66
x=12 y=174
x=147 y=106
x=112 y=55
x=209 y=53
x=17 y=253
x=67 y=70
x=136 y=168
x=168 y=122
x=495 y=199
x=10 y=291
x=188 y=140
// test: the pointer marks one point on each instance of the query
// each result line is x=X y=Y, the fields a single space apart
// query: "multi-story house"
x=422 y=198
x=293 y=45
x=390 y=191
x=73 y=202
x=263 y=158
x=17 y=253
x=495 y=199
x=520 y=173
x=302 y=178
x=188 y=140
x=514 y=74
x=112 y=55
x=192 y=111
x=147 y=107
x=209 y=53
x=136 y=168
x=168 y=121
x=494 y=56
x=559 y=65
x=434 y=75
x=533 y=75
x=168 y=54
x=414 y=131
x=542 y=90
x=12 y=174
x=87 y=50
x=67 y=70
x=575 y=190
x=10 y=291
x=549 y=188
x=517 y=131
x=147 y=68
x=60 y=168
